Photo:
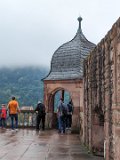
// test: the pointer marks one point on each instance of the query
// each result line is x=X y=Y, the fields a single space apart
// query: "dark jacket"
x=41 y=109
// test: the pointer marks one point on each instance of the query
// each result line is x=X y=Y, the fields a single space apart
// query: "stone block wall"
x=102 y=96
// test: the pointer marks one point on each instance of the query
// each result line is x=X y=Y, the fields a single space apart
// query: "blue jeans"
x=3 y=122
x=61 y=124
x=14 y=120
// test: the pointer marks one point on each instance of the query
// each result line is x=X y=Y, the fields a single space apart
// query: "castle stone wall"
x=102 y=96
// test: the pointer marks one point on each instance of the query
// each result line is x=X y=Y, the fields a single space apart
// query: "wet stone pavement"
x=27 y=144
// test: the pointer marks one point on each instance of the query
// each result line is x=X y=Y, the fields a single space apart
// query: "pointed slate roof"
x=67 y=60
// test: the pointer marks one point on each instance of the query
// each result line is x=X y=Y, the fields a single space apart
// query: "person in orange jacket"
x=13 y=108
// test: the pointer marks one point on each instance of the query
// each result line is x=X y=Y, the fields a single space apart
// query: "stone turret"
x=67 y=60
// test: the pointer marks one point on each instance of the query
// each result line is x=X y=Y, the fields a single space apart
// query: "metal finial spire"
x=80 y=19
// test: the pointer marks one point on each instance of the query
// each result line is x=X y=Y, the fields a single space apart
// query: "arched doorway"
x=53 y=103
x=75 y=89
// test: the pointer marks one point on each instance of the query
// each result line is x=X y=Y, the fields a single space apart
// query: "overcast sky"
x=31 y=30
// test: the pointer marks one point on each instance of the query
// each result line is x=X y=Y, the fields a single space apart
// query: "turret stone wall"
x=75 y=89
x=102 y=96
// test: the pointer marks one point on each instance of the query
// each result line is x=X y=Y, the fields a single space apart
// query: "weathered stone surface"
x=75 y=88
x=102 y=94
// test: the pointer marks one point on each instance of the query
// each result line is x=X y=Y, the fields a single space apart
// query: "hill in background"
x=24 y=83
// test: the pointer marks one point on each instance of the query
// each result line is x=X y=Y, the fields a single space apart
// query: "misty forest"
x=23 y=83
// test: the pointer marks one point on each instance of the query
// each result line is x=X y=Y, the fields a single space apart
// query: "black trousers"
x=39 y=119
x=69 y=121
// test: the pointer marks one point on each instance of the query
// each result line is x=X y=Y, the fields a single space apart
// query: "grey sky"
x=31 y=30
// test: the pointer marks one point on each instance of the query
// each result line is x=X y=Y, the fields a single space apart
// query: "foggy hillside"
x=24 y=83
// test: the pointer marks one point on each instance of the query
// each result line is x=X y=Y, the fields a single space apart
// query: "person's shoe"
x=37 y=130
x=16 y=130
x=12 y=130
x=62 y=132
x=59 y=131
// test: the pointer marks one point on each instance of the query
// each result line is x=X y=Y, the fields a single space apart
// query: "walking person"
x=3 y=116
x=69 y=115
x=13 y=108
x=40 y=109
x=61 y=113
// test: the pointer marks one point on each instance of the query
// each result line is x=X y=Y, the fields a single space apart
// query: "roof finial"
x=80 y=19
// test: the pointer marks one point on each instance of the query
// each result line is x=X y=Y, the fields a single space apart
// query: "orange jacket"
x=13 y=107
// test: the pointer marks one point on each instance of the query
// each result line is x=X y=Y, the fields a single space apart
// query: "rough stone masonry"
x=102 y=96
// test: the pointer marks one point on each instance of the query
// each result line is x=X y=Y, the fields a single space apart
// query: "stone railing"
x=26 y=118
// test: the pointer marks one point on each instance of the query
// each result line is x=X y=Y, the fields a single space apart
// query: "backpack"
x=41 y=109
x=69 y=107
x=64 y=110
